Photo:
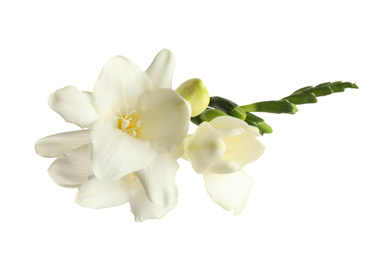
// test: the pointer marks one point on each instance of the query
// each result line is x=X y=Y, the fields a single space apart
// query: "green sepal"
x=227 y=106
x=207 y=115
x=302 y=98
x=196 y=120
x=210 y=114
x=258 y=122
x=307 y=94
x=302 y=90
x=278 y=107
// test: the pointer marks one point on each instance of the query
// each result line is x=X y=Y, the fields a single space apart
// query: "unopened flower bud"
x=195 y=92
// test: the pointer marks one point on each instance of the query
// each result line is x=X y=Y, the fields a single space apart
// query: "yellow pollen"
x=129 y=124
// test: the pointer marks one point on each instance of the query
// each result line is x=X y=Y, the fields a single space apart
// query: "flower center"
x=129 y=123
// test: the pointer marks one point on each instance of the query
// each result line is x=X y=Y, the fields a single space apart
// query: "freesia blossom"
x=135 y=121
x=219 y=149
x=73 y=169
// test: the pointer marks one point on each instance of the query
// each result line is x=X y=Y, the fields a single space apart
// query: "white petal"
x=243 y=149
x=119 y=86
x=158 y=180
x=254 y=130
x=230 y=131
x=74 y=106
x=98 y=194
x=162 y=68
x=165 y=119
x=204 y=148
x=73 y=168
x=228 y=122
x=140 y=204
x=115 y=153
x=225 y=166
x=58 y=144
x=230 y=191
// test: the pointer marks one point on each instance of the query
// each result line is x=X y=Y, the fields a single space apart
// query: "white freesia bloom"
x=219 y=149
x=73 y=169
x=135 y=121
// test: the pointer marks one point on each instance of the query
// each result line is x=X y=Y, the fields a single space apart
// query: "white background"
x=318 y=190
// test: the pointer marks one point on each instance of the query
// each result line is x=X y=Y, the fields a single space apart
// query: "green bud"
x=258 y=122
x=195 y=92
x=227 y=106
x=210 y=114
x=282 y=106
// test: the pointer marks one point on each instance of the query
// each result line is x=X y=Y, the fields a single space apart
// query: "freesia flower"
x=135 y=121
x=73 y=169
x=219 y=149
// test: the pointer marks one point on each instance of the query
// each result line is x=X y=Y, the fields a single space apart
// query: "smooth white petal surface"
x=119 y=86
x=229 y=132
x=74 y=106
x=115 y=153
x=243 y=149
x=165 y=119
x=230 y=191
x=73 y=168
x=254 y=130
x=225 y=166
x=58 y=144
x=204 y=148
x=228 y=122
x=158 y=180
x=140 y=204
x=98 y=194
x=162 y=68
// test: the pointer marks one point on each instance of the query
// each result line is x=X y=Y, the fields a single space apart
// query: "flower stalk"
x=219 y=106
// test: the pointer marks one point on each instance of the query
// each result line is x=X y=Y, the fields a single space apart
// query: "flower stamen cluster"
x=129 y=123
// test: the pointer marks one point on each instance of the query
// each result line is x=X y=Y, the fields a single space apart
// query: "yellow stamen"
x=129 y=123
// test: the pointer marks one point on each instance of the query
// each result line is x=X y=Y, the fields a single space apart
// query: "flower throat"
x=129 y=123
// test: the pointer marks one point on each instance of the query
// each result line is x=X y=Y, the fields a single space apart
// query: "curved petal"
x=140 y=204
x=165 y=119
x=230 y=191
x=115 y=153
x=98 y=194
x=162 y=68
x=74 y=106
x=243 y=149
x=73 y=168
x=204 y=148
x=225 y=166
x=228 y=122
x=254 y=130
x=158 y=180
x=119 y=86
x=230 y=131
x=58 y=144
